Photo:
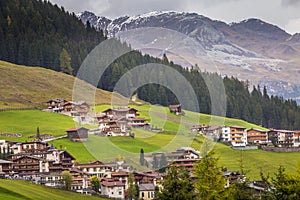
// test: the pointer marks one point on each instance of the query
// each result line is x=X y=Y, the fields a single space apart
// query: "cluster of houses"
x=118 y=121
x=238 y=136
x=43 y=164
x=70 y=108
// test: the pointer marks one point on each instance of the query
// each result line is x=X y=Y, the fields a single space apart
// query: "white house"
x=113 y=189
x=235 y=135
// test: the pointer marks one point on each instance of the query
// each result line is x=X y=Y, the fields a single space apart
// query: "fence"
x=9 y=109
x=281 y=149
x=246 y=148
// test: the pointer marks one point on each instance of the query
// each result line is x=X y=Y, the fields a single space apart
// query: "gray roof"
x=146 y=187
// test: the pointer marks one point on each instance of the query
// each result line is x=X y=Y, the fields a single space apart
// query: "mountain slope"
x=32 y=87
x=250 y=50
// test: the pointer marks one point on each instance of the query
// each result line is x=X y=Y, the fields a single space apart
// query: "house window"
x=148 y=195
x=143 y=194
x=120 y=193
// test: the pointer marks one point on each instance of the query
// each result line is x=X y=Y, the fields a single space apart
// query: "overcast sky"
x=283 y=13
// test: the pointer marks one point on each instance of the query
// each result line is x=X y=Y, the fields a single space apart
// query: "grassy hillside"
x=32 y=87
x=11 y=190
x=27 y=121
x=109 y=148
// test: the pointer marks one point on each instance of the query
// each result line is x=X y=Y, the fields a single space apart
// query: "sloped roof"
x=112 y=183
x=76 y=129
x=146 y=187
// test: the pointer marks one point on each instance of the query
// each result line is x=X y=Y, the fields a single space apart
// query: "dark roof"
x=137 y=119
x=255 y=129
x=212 y=128
x=112 y=183
x=76 y=129
x=57 y=100
x=120 y=173
x=239 y=127
x=146 y=187
x=281 y=131
x=120 y=109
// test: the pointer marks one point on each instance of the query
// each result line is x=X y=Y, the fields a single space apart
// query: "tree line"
x=250 y=103
x=38 y=33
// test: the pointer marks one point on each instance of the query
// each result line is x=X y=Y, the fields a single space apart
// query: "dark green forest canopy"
x=38 y=33
x=35 y=33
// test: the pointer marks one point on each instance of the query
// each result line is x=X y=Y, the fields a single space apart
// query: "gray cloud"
x=278 y=12
x=287 y=3
x=116 y=8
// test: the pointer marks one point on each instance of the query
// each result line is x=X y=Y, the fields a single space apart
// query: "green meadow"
x=23 y=190
x=27 y=121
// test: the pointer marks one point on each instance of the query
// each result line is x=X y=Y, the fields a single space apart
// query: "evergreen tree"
x=210 y=182
x=286 y=186
x=163 y=163
x=155 y=162
x=65 y=62
x=38 y=135
x=142 y=159
x=131 y=192
x=177 y=185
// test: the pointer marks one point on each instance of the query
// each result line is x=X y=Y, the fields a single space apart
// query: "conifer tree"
x=177 y=185
x=65 y=62
x=131 y=192
x=142 y=159
x=210 y=182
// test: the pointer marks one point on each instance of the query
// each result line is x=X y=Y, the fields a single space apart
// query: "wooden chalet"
x=176 y=109
x=56 y=105
x=149 y=177
x=101 y=170
x=32 y=164
x=257 y=136
x=187 y=163
x=296 y=138
x=77 y=134
x=60 y=161
x=80 y=180
x=5 y=166
x=121 y=112
x=50 y=161
x=81 y=108
x=29 y=147
x=281 y=138
x=137 y=122
x=234 y=135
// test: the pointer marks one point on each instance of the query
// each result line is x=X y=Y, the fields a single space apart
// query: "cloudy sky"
x=283 y=13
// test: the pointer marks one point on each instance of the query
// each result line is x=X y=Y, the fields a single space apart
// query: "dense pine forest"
x=37 y=33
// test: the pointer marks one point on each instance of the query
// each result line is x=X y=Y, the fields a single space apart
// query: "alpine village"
x=56 y=146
